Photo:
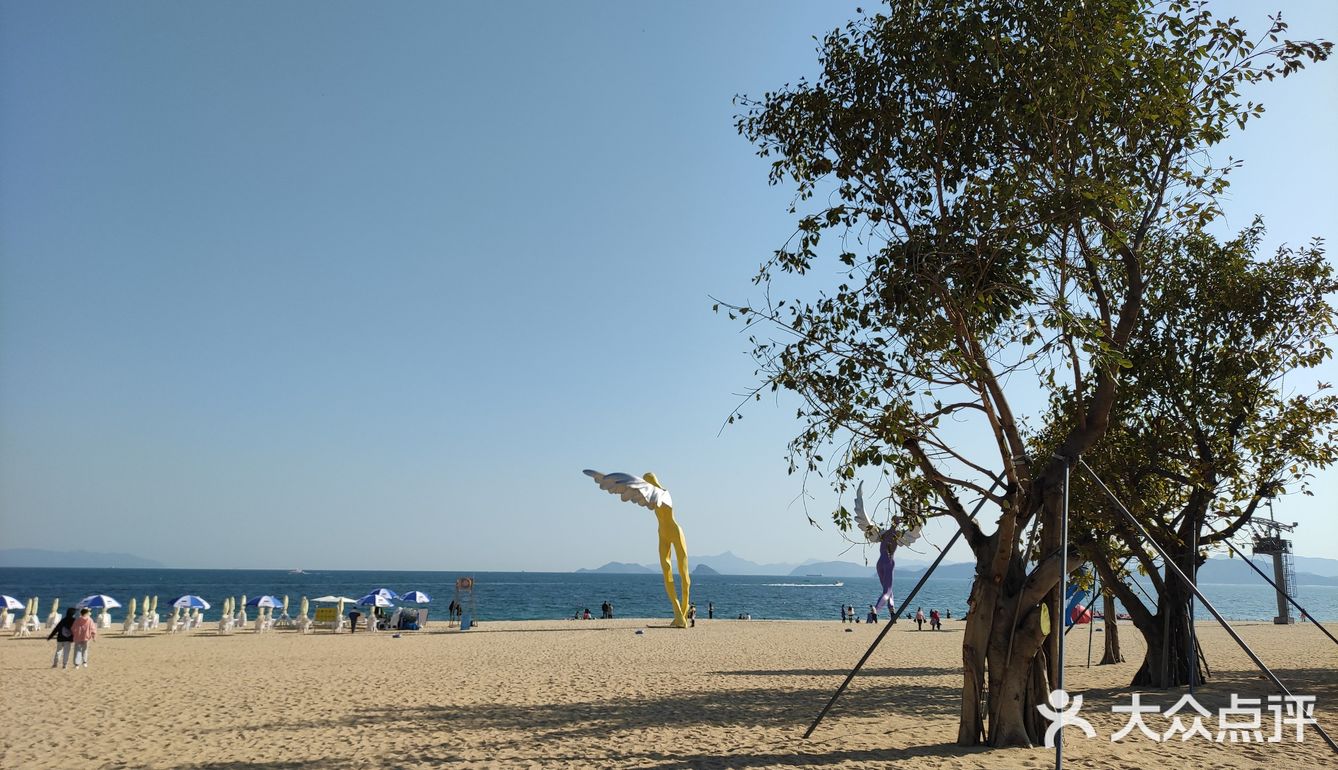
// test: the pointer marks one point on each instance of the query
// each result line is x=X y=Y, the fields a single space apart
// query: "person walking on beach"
x=83 y=631
x=710 y=610
x=934 y=623
x=64 y=636
x=919 y=619
x=692 y=616
x=873 y=614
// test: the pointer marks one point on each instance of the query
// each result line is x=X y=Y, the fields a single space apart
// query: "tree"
x=1203 y=430
x=988 y=175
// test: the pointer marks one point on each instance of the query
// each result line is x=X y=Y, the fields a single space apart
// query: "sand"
x=727 y=694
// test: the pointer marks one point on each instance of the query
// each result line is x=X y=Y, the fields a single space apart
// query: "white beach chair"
x=302 y=624
x=128 y=627
x=104 y=619
x=6 y=622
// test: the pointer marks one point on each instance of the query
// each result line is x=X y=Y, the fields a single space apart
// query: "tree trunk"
x=1168 y=660
x=1112 y=631
x=1002 y=646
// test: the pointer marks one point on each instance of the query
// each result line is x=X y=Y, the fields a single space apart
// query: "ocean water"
x=553 y=595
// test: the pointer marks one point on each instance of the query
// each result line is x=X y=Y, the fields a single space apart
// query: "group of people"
x=73 y=633
x=935 y=621
x=848 y=614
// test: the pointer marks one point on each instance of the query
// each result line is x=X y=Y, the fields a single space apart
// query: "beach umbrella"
x=333 y=599
x=375 y=600
x=417 y=597
x=98 y=600
x=155 y=605
x=10 y=602
x=386 y=592
x=285 y=604
x=264 y=601
x=304 y=606
x=37 y=602
x=190 y=601
x=339 y=613
x=241 y=610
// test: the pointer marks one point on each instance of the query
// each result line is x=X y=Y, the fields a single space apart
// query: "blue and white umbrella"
x=10 y=602
x=375 y=600
x=417 y=597
x=264 y=601
x=189 y=602
x=97 y=600
x=386 y=592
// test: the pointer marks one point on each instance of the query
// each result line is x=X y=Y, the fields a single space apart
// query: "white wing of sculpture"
x=632 y=489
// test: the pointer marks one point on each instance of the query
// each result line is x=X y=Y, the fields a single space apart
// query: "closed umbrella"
x=304 y=606
x=53 y=617
x=241 y=610
x=129 y=623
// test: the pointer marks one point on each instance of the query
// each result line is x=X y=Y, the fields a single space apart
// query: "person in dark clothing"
x=353 y=616
x=63 y=633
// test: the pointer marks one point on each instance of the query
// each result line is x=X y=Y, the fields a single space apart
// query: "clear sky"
x=344 y=286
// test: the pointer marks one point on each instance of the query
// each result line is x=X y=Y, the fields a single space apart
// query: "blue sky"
x=276 y=279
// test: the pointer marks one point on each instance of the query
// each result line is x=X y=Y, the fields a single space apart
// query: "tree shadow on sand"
x=786 y=709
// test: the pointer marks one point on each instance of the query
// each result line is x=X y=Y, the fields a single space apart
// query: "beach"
x=726 y=694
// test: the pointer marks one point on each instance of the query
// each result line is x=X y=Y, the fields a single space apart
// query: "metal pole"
x=1301 y=609
x=1063 y=604
x=1202 y=599
x=1193 y=635
x=904 y=604
x=1091 y=615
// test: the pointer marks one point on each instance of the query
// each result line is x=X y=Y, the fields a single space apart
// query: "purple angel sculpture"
x=887 y=540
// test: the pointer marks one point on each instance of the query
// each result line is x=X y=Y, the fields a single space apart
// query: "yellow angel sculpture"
x=646 y=491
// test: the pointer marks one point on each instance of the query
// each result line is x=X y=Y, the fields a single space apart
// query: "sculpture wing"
x=632 y=489
x=910 y=537
x=871 y=531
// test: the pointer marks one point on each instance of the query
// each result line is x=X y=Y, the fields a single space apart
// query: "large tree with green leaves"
x=988 y=178
x=1214 y=418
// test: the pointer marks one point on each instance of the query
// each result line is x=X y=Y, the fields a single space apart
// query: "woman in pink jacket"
x=84 y=631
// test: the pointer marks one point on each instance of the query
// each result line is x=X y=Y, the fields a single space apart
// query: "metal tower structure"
x=1268 y=541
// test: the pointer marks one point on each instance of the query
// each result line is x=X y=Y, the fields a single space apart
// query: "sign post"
x=464 y=598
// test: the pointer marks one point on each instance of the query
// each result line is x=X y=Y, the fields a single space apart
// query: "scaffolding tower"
x=1268 y=541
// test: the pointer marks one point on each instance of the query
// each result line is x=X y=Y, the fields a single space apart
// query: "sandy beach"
x=727 y=694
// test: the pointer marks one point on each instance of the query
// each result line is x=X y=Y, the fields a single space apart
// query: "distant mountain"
x=833 y=569
x=1316 y=565
x=703 y=569
x=620 y=568
x=1237 y=572
x=36 y=557
x=728 y=564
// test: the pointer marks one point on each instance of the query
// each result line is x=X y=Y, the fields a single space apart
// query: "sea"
x=559 y=595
